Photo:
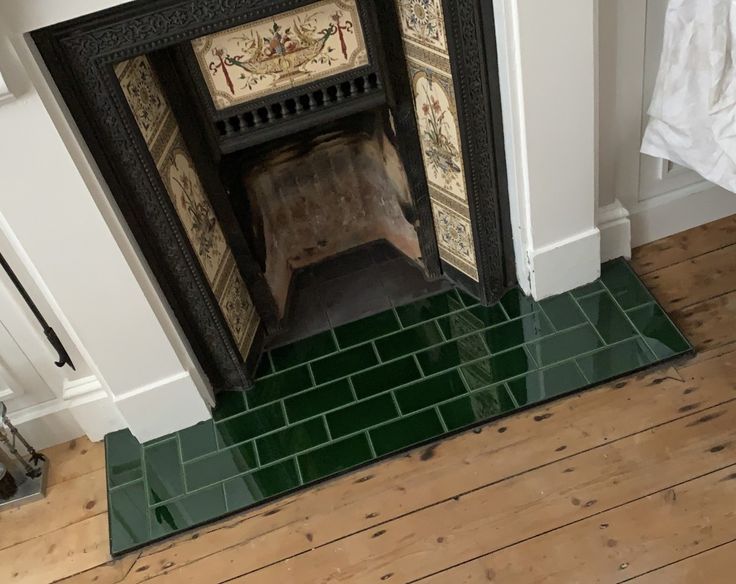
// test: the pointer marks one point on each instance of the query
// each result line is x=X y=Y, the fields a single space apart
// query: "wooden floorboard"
x=632 y=481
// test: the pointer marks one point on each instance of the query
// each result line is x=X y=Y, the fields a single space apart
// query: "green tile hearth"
x=377 y=386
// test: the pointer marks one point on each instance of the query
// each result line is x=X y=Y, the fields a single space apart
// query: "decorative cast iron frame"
x=80 y=56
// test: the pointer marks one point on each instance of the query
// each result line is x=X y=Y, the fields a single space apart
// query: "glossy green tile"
x=408 y=341
x=429 y=308
x=625 y=286
x=615 y=360
x=187 y=511
x=517 y=332
x=564 y=345
x=546 y=383
x=607 y=318
x=262 y=484
x=591 y=288
x=385 y=377
x=316 y=401
x=467 y=299
x=362 y=415
x=658 y=331
x=344 y=363
x=430 y=391
x=229 y=403
x=164 y=471
x=335 y=457
x=292 y=440
x=219 y=466
x=457 y=369
x=366 y=329
x=123 y=458
x=249 y=425
x=517 y=304
x=128 y=517
x=562 y=311
x=300 y=352
x=279 y=386
x=406 y=432
x=452 y=355
x=481 y=405
x=498 y=368
x=264 y=366
x=198 y=440
x=472 y=320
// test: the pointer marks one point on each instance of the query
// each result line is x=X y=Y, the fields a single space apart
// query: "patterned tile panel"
x=400 y=378
x=435 y=107
x=288 y=50
x=174 y=163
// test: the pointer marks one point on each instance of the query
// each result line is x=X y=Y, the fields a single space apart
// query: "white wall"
x=657 y=198
x=547 y=54
x=71 y=249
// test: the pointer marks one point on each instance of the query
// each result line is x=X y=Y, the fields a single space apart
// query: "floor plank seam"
x=642 y=273
x=548 y=531
x=485 y=486
x=662 y=567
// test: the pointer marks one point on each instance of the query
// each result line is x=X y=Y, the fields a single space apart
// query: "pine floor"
x=634 y=481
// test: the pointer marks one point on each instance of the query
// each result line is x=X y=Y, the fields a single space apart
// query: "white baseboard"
x=84 y=408
x=143 y=407
x=679 y=210
x=566 y=264
x=615 y=227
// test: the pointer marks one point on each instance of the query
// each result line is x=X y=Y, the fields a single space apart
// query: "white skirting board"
x=679 y=210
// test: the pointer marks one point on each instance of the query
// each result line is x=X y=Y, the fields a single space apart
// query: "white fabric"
x=693 y=110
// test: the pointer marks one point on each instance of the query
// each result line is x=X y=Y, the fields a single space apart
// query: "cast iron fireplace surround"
x=81 y=55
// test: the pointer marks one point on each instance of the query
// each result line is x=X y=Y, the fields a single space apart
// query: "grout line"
x=352 y=390
x=628 y=318
x=587 y=318
x=327 y=428
x=181 y=462
x=370 y=443
x=442 y=420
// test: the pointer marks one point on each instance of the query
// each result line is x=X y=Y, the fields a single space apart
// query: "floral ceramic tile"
x=274 y=54
x=144 y=96
x=438 y=130
x=422 y=21
x=194 y=209
x=181 y=180
x=455 y=239
x=238 y=314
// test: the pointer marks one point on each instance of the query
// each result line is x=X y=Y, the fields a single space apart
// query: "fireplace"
x=251 y=142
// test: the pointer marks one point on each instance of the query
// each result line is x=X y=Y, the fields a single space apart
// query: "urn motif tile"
x=438 y=131
x=291 y=49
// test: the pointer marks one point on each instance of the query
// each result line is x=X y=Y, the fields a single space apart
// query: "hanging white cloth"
x=693 y=110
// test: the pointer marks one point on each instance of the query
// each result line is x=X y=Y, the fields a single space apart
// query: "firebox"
x=254 y=146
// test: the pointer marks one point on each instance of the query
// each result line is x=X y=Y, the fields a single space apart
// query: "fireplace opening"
x=323 y=210
x=277 y=159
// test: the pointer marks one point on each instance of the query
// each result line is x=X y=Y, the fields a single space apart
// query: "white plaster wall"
x=71 y=247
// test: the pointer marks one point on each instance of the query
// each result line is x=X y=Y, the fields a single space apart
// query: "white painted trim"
x=566 y=264
x=548 y=90
x=514 y=125
x=148 y=408
x=5 y=94
x=615 y=227
x=679 y=210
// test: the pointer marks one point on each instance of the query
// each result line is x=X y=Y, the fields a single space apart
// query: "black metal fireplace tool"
x=51 y=335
